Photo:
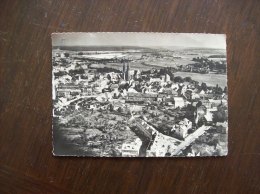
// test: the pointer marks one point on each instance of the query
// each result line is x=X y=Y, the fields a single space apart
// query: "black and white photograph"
x=132 y=94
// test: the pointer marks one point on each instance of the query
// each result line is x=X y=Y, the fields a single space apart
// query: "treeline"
x=217 y=56
x=107 y=70
x=206 y=63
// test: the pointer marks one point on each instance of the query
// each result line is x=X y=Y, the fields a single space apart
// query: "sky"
x=142 y=39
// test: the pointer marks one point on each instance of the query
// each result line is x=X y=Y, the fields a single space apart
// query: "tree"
x=115 y=96
x=220 y=115
x=76 y=71
x=204 y=86
x=66 y=55
x=225 y=90
x=108 y=76
x=189 y=112
x=218 y=90
x=187 y=79
x=202 y=121
x=120 y=109
x=199 y=104
x=60 y=73
x=178 y=79
x=111 y=107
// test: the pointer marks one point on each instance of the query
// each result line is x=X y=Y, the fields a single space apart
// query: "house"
x=114 y=77
x=169 y=101
x=175 y=86
x=201 y=110
x=202 y=92
x=174 y=93
x=181 y=129
x=223 y=124
x=68 y=91
x=161 y=97
x=155 y=80
x=136 y=108
x=222 y=127
x=93 y=106
x=114 y=86
x=195 y=96
x=218 y=102
x=167 y=90
x=131 y=149
x=140 y=97
x=159 y=146
x=209 y=116
x=87 y=91
x=225 y=96
x=167 y=78
x=179 y=102
x=207 y=103
x=191 y=86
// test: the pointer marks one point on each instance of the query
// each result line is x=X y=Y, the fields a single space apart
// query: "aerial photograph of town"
x=139 y=95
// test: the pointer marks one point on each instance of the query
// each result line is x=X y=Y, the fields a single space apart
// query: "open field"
x=210 y=79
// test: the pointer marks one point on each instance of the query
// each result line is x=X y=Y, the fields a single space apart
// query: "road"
x=188 y=140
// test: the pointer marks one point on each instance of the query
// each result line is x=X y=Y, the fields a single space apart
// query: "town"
x=106 y=106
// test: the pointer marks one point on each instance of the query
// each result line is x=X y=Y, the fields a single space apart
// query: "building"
x=202 y=93
x=167 y=78
x=114 y=77
x=195 y=96
x=161 y=97
x=140 y=97
x=131 y=149
x=81 y=79
x=62 y=55
x=114 y=86
x=136 y=108
x=169 y=91
x=88 y=91
x=136 y=74
x=126 y=69
x=91 y=74
x=68 y=91
x=155 y=80
x=179 y=102
x=207 y=103
x=209 y=116
x=218 y=102
x=222 y=127
x=159 y=146
x=181 y=129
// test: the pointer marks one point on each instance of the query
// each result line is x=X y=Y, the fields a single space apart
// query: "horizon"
x=195 y=47
x=140 y=39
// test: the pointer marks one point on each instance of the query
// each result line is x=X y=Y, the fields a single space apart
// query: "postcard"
x=119 y=94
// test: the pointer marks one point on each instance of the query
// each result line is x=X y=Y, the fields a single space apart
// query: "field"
x=210 y=79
